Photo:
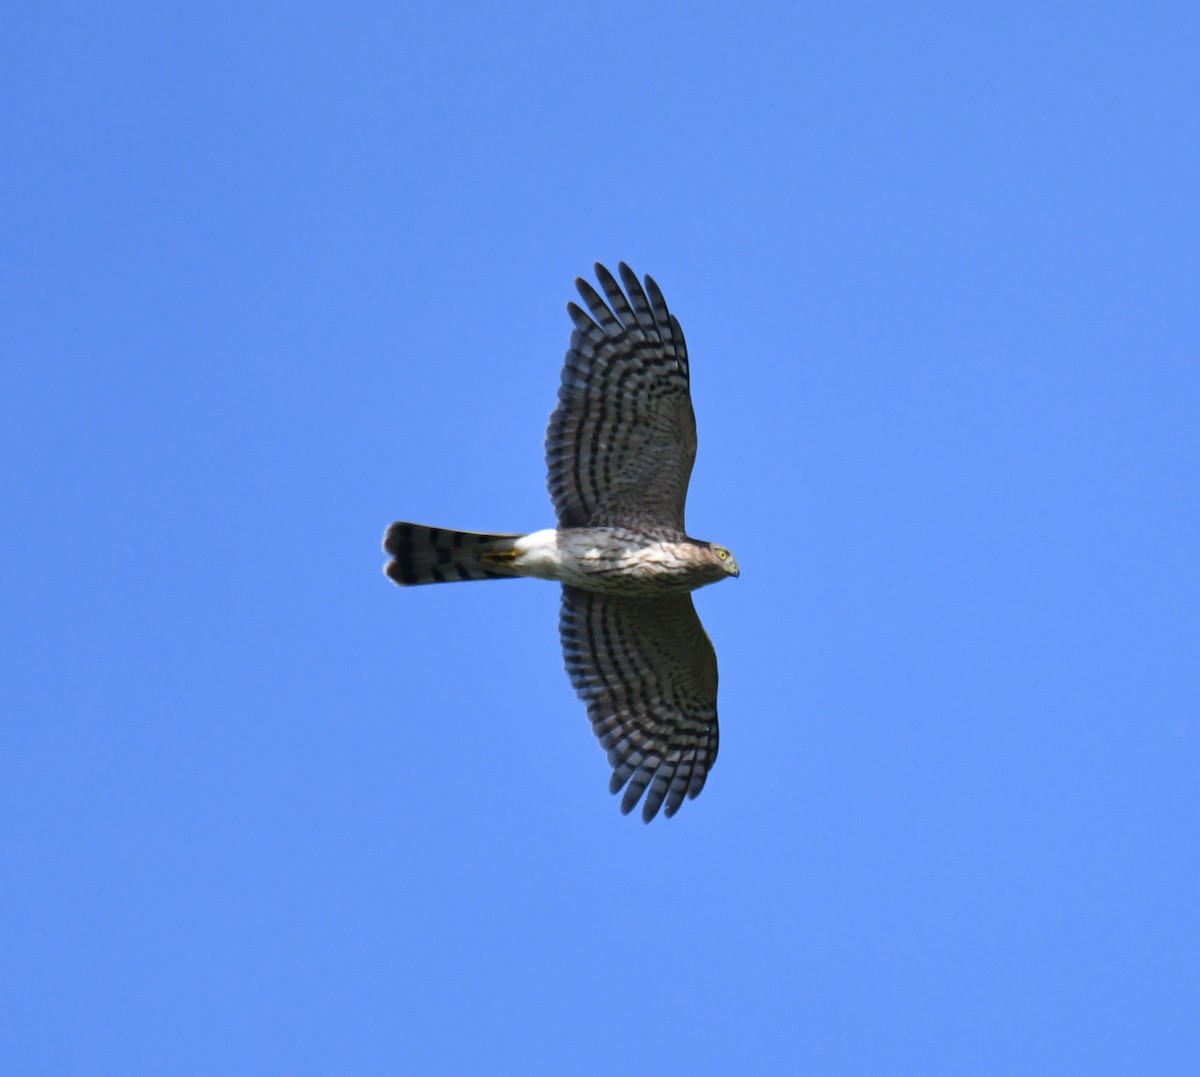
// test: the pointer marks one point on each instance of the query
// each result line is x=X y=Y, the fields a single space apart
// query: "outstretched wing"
x=622 y=439
x=648 y=673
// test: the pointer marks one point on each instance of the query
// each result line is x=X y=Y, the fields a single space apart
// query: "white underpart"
x=540 y=555
x=587 y=561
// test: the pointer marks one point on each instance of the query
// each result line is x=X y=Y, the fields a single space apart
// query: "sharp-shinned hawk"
x=620 y=449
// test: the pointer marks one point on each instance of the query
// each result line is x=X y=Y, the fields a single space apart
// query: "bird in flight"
x=620 y=449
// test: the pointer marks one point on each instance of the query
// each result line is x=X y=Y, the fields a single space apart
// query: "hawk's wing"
x=648 y=673
x=622 y=440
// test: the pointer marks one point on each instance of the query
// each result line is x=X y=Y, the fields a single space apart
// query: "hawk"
x=619 y=449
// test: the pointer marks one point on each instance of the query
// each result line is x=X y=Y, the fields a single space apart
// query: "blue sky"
x=275 y=276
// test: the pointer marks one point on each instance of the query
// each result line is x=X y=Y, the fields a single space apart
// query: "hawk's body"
x=620 y=449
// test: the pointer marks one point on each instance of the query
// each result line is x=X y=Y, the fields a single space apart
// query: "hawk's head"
x=722 y=558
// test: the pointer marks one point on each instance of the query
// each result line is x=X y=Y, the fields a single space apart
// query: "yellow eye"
x=723 y=555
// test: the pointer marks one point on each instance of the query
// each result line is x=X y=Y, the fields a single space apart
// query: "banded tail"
x=423 y=554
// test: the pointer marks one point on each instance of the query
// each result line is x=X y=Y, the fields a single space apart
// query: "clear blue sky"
x=277 y=275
